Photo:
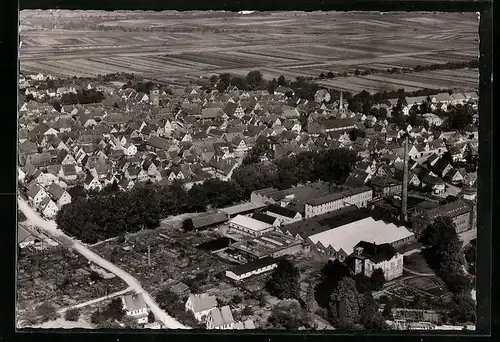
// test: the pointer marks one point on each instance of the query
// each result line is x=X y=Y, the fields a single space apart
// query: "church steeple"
x=341 y=103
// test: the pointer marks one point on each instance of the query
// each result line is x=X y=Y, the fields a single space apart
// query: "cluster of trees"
x=82 y=97
x=140 y=86
x=347 y=300
x=349 y=309
x=363 y=101
x=444 y=254
x=331 y=165
x=470 y=256
x=284 y=281
x=419 y=68
x=289 y=315
x=472 y=64
x=93 y=217
x=302 y=87
x=330 y=75
x=111 y=315
x=459 y=117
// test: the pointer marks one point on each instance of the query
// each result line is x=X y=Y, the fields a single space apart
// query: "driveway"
x=50 y=227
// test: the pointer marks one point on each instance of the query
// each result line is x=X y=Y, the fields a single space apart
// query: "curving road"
x=50 y=227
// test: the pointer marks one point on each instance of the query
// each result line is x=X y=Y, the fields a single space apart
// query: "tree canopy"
x=284 y=282
x=289 y=316
x=345 y=304
x=444 y=253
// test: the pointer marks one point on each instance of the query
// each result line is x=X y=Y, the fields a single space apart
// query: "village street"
x=51 y=228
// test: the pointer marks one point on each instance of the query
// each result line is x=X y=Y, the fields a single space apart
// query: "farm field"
x=174 y=47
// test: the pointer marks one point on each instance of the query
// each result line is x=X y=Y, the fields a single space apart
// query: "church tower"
x=155 y=96
x=341 y=105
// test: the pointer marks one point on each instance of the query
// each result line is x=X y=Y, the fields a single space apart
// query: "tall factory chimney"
x=404 y=190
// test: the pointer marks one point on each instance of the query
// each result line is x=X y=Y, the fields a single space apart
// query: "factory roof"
x=250 y=223
x=242 y=208
x=349 y=235
x=320 y=223
x=338 y=195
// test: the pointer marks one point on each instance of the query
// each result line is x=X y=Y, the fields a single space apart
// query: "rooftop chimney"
x=404 y=190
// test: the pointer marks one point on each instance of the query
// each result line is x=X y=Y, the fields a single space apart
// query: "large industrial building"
x=339 y=242
x=461 y=212
x=359 y=197
x=273 y=244
x=250 y=226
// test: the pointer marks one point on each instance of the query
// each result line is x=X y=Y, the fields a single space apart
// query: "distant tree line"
x=93 y=217
x=301 y=88
x=140 y=86
x=472 y=64
x=82 y=97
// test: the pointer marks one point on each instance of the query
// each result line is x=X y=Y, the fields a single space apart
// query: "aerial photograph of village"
x=247 y=170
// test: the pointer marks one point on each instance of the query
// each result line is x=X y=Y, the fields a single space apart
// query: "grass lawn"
x=417 y=263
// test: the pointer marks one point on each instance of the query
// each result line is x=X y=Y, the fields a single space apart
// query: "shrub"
x=247 y=311
x=47 y=312
x=237 y=299
x=72 y=315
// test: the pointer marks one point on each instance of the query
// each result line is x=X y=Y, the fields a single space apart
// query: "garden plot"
x=60 y=277
x=173 y=254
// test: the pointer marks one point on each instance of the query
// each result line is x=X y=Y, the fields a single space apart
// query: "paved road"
x=94 y=301
x=50 y=227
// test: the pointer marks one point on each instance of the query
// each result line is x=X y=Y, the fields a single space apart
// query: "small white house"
x=220 y=319
x=200 y=305
x=135 y=307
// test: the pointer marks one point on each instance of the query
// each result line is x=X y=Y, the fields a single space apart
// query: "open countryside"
x=291 y=44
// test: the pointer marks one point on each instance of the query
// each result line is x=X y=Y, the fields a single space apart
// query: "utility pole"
x=149 y=256
x=404 y=191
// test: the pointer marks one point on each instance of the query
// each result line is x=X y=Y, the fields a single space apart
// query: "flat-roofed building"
x=250 y=226
x=273 y=244
x=359 y=197
x=339 y=242
x=252 y=268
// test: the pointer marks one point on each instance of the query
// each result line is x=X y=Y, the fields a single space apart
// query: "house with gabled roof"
x=135 y=307
x=200 y=305
x=92 y=183
x=48 y=208
x=220 y=319
x=69 y=172
x=36 y=194
x=58 y=195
